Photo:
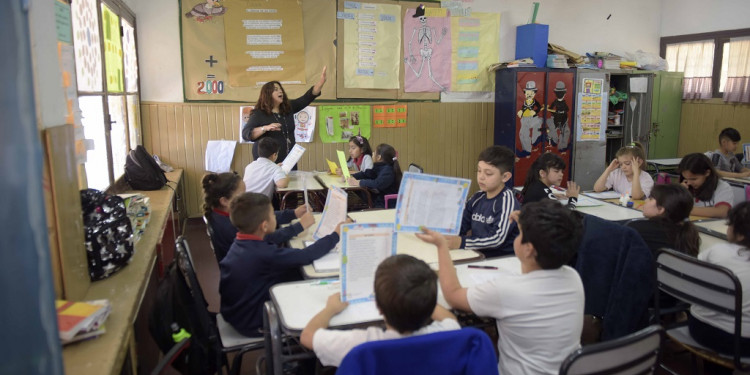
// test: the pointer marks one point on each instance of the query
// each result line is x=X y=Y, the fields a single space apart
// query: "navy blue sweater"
x=381 y=179
x=492 y=232
x=251 y=268
x=225 y=232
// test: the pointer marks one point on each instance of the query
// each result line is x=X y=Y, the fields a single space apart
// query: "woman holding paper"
x=273 y=115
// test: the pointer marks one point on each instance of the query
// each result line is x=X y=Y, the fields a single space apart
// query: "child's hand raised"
x=573 y=190
x=334 y=303
x=433 y=237
x=299 y=211
x=307 y=220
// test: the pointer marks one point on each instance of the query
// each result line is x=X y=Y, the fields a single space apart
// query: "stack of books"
x=520 y=63
x=77 y=321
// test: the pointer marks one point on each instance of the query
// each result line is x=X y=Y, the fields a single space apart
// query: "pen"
x=483 y=267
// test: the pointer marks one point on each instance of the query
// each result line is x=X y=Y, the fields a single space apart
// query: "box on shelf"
x=531 y=41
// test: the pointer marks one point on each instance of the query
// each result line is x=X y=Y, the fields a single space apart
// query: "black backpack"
x=108 y=233
x=175 y=304
x=142 y=172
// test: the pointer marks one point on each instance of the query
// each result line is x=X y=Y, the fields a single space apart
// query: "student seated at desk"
x=360 y=154
x=405 y=293
x=486 y=224
x=625 y=173
x=253 y=264
x=713 y=196
x=545 y=173
x=384 y=178
x=218 y=191
x=724 y=159
x=263 y=175
x=539 y=312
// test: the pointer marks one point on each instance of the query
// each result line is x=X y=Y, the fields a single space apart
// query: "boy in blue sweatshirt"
x=253 y=264
x=486 y=224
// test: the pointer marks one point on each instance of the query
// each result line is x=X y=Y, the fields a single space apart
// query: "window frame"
x=719 y=38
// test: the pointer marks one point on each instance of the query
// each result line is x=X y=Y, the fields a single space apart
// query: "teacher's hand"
x=319 y=86
x=274 y=127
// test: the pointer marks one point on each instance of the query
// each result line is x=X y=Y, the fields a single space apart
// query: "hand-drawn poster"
x=475 y=46
x=389 y=116
x=304 y=124
x=372 y=33
x=427 y=50
x=264 y=42
x=338 y=123
x=245 y=112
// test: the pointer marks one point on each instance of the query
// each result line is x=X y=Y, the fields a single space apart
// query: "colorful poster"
x=389 y=116
x=338 y=123
x=304 y=124
x=112 y=49
x=245 y=112
x=427 y=50
x=475 y=46
x=591 y=109
x=264 y=42
x=371 y=35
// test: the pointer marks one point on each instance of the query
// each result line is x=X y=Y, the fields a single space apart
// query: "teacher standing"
x=273 y=115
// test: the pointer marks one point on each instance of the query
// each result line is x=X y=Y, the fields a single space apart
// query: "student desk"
x=661 y=164
x=612 y=212
x=638 y=207
x=407 y=243
x=328 y=180
x=296 y=188
x=715 y=228
x=739 y=187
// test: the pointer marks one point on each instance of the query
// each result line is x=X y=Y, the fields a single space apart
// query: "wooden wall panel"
x=701 y=121
x=443 y=138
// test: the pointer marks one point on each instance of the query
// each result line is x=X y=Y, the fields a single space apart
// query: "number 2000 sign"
x=211 y=87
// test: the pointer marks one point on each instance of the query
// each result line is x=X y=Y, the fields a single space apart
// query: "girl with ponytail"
x=385 y=176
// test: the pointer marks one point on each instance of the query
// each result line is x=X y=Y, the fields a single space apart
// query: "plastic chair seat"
x=681 y=335
x=231 y=338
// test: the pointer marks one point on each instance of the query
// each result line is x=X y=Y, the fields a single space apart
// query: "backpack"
x=175 y=304
x=108 y=233
x=142 y=172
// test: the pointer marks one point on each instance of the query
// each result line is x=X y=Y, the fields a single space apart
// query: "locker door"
x=558 y=118
x=529 y=114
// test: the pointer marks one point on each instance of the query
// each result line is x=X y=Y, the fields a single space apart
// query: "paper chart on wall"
x=475 y=46
x=436 y=202
x=334 y=212
x=338 y=123
x=591 y=111
x=427 y=50
x=363 y=247
x=372 y=32
x=304 y=124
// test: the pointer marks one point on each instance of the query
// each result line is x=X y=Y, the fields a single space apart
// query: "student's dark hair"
x=217 y=186
x=634 y=149
x=677 y=203
x=265 y=99
x=388 y=155
x=553 y=230
x=730 y=133
x=267 y=147
x=362 y=143
x=739 y=219
x=500 y=157
x=405 y=292
x=248 y=211
x=545 y=162
x=699 y=164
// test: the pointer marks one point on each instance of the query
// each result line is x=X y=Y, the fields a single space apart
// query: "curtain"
x=696 y=60
x=737 y=88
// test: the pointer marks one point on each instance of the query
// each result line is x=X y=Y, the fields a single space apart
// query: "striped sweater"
x=488 y=221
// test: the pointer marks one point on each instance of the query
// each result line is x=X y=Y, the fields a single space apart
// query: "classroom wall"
x=680 y=17
x=702 y=120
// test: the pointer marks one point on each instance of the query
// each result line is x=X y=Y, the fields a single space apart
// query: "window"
x=712 y=63
x=107 y=86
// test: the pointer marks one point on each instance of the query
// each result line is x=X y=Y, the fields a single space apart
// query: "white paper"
x=584 y=201
x=219 y=155
x=436 y=202
x=292 y=158
x=363 y=247
x=304 y=124
x=609 y=194
x=334 y=212
x=638 y=85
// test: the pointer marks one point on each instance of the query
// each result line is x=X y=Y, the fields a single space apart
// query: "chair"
x=663 y=178
x=171 y=355
x=415 y=168
x=464 y=351
x=747 y=192
x=637 y=353
x=277 y=353
x=393 y=197
x=705 y=284
x=210 y=232
x=221 y=336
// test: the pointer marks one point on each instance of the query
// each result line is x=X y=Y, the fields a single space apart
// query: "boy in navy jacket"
x=253 y=264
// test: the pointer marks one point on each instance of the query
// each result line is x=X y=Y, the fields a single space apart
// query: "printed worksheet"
x=363 y=247
x=334 y=212
x=436 y=202
x=292 y=158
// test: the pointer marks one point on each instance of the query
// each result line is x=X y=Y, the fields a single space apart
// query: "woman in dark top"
x=273 y=115
x=668 y=224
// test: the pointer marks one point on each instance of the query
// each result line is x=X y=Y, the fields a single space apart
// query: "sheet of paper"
x=638 y=84
x=363 y=247
x=304 y=192
x=334 y=212
x=436 y=202
x=331 y=167
x=219 y=156
x=292 y=158
x=342 y=163
x=584 y=201
x=609 y=194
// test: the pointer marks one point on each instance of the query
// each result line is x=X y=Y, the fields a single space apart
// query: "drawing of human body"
x=425 y=35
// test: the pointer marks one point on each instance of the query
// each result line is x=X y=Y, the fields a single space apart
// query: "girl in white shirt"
x=625 y=173
x=713 y=197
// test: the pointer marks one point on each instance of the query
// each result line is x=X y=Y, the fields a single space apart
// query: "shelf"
x=614 y=137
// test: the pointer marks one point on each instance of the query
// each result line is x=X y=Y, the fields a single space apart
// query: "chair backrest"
x=663 y=178
x=415 y=168
x=388 y=198
x=210 y=232
x=464 y=351
x=637 y=353
x=701 y=283
x=747 y=192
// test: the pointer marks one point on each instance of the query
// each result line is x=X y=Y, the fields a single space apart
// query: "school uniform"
x=538 y=191
x=381 y=179
x=363 y=163
x=331 y=346
x=261 y=176
x=224 y=231
x=655 y=233
x=618 y=182
x=722 y=162
x=251 y=268
x=539 y=317
x=492 y=232
x=723 y=196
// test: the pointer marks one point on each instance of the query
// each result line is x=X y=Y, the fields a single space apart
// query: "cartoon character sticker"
x=557 y=125
x=206 y=10
x=531 y=123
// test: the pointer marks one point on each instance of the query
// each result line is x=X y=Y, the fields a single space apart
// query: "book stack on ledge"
x=77 y=321
x=519 y=63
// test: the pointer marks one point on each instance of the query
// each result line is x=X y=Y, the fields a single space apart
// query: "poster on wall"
x=338 y=123
x=475 y=46
x=389 y=116
x=264 y=42
x=245 y=112
x=304 y=124
x=372 y=31
x=591 y=111
x=427 y=50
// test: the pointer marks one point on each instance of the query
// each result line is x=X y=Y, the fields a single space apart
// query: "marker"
x=483 y=267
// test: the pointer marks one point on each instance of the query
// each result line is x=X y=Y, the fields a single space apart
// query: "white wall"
x=680 y=17
x=574 y=24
